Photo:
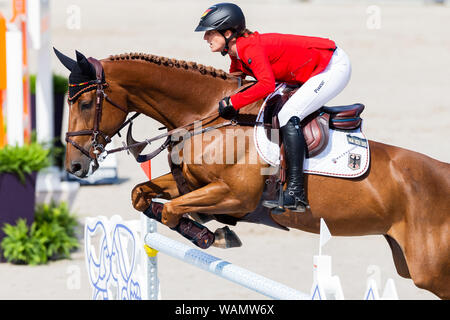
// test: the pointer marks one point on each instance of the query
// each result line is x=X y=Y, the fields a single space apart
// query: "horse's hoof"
x=226 y=238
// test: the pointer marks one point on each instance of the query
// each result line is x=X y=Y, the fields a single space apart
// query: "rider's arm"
x=255 y=59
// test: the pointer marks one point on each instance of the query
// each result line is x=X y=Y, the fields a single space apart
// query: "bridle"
x=99 y=149
x=95 y=132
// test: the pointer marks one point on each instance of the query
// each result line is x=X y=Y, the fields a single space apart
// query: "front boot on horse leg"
x=293 y=198
x=198 y=234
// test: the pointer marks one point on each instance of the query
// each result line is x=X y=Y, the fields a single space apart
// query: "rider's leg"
x=319 y=89
x=295 y=146
x=313 y=94
x=294 y=197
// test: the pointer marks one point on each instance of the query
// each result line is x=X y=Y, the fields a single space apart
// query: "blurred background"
x=400 y=60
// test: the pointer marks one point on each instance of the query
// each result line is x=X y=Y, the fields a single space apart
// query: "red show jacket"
x=274 y=57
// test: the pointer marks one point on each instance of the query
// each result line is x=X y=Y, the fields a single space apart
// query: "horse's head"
x=93 y=118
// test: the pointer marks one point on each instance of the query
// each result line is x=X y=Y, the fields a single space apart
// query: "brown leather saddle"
x=315 y=126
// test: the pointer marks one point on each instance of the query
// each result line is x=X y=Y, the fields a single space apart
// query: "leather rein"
x=99 y=149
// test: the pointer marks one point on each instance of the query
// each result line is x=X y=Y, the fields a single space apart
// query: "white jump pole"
x=223 y=269
x=39 y=30
x=14 y=95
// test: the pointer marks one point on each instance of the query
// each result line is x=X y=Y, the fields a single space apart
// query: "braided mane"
x=170 y=62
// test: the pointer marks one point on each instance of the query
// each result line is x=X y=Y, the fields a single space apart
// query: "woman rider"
x=317 y=64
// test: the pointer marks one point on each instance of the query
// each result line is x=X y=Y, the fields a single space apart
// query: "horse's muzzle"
x=76 y=169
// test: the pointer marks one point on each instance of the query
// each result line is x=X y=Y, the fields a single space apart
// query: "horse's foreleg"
x=163 y=187
x=214 y=198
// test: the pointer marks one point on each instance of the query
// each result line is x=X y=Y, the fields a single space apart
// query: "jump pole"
x=20 y=19
x=2 y=80
x=14 y=87
x=38 y=15
x=223 y=269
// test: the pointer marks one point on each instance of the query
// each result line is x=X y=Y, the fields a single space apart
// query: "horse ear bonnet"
x=65 y=60
x=83 y=71
x=82 y=74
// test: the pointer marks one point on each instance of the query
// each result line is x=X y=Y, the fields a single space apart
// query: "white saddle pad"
x=347 y=154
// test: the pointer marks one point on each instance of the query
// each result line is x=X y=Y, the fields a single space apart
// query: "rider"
x=317 y=64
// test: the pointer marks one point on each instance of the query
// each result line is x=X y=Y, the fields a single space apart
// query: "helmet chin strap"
x=226 y=49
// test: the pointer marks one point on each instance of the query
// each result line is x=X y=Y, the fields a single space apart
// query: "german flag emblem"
x=206 y=12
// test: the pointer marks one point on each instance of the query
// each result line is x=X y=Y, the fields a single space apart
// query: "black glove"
x=226 y=110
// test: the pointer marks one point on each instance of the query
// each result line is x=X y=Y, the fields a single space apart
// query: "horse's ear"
x=80 y=56
x=86 y=67
x=65 y=60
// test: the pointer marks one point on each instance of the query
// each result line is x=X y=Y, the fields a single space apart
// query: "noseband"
x=99 y=84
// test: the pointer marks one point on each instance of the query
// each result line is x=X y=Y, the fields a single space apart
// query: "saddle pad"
x=346 y=155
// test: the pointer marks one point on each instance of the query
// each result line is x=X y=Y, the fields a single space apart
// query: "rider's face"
x=215 y=40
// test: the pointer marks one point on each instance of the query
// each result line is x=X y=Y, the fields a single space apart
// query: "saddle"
x=316 y=126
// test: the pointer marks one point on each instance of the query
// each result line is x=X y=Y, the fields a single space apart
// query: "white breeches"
x=319 y=89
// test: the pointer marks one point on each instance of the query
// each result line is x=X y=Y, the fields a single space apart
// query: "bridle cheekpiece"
x=77 y=89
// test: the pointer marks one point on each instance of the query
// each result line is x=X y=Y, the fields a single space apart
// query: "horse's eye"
x=85 y=105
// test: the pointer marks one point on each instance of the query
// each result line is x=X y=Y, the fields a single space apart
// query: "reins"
x=99 y=149
x=168 y=135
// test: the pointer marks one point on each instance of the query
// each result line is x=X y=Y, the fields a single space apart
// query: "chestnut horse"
x=404 y=195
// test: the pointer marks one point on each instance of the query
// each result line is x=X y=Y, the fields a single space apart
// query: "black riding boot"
x=293 y=197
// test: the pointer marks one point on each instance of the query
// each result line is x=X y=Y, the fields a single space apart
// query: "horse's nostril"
x=76 y=166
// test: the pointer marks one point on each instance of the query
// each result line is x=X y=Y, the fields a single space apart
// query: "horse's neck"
x=171 y=96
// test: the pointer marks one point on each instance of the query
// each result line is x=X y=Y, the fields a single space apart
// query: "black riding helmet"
x=222 y=17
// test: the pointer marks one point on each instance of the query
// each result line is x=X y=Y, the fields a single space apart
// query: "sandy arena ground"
x=400 y=72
